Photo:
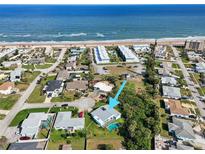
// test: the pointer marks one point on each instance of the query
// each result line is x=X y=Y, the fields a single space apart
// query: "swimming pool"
x=112 y=126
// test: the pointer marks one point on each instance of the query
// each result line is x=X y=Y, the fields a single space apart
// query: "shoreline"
x=168 y=41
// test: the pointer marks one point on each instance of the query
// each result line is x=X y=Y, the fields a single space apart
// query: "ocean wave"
x=23 y=35
x=100 y=35
x=62 y=35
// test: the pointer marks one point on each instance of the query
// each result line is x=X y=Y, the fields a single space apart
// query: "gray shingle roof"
x=53 y=85
x=181 y=128
x=171 y=91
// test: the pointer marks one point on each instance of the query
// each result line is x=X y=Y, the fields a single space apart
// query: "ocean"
x=99 y=22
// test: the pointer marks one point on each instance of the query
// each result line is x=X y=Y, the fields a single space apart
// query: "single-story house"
x=200 y=67
x=65 y=121
x=81 y=85
x=176 y=109
x=33 y=123
x=103 y=115
x=103 y=86
x=11 y=63
x=63 y=75
x=7 y=88
x=181 y=129
x=171 y=92
x=53 y=88
x=170 y=81
x=15 y=75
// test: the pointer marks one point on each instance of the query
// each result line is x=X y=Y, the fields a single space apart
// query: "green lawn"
x=175 y=66
x=100 y=135
x=185 y=92
x=44 y=66
x=7 y=101
x=163 y=119
x=2 y=116
x=24 y=113
x=158 y=63
x=28 y=77
x=50 y=59
x=57 y=139
x=67 y=96
x=28 y=67
x=37 y=95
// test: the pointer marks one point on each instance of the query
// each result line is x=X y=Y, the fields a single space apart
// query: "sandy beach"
x=91 y=43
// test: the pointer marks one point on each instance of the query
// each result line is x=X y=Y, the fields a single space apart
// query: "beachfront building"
x=77 y=51
x=65 y=121
x=127 y=55
x=160 y=52
x=101 y=55
x=104 y=115
x=194 y=45
x=142 y=48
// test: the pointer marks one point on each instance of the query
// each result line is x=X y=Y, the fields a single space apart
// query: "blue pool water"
x=113 y=126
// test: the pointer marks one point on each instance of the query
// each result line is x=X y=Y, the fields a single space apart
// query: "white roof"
x=169 y=80
x=103 y=86
x=31 y=125
x=128 y=53
x=104 y=113
x=64 y=121
x=101 y=55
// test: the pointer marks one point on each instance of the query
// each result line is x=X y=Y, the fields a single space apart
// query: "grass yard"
x=188 y=65
x=37 y=95
x=138 y=84
x=185 y=92
x=24 y=113
x=21 y=86
x=178 y=73
x=158 y=63
x=28 y=67
x=117 y=70
x=175 y=66
x=99 y=135
x=67 y=96
x=28 y=77
x=50 y=59
x=2 y=116
x=163 y=119
x=44 y=66
x=7 y=101
x=57 y=139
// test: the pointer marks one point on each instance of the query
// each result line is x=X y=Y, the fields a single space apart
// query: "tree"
x=105 y=146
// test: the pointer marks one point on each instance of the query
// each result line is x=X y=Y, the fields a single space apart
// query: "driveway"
x=83 y=104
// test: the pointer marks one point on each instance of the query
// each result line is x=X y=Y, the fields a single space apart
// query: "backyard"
x=97 y=135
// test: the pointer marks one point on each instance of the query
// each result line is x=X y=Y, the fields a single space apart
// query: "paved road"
x=83 y=104
x=194 y=91
x=20 y=103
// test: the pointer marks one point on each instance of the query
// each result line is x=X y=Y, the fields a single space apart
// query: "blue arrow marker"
x=113 y=101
